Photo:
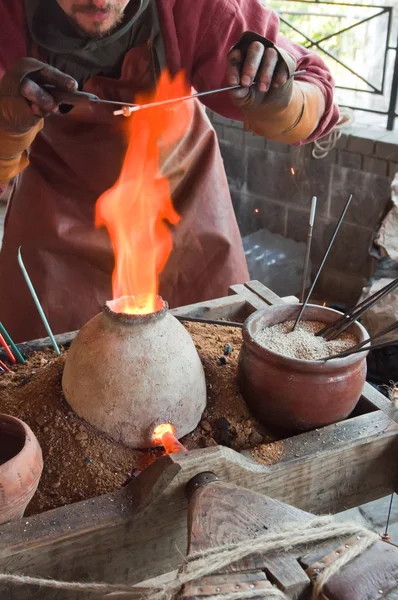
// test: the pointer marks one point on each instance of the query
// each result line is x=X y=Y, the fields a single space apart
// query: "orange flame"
x=164 y=435
x=293 y=172
x=138 y=210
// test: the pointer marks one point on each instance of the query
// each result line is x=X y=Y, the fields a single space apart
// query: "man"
x=64 y=162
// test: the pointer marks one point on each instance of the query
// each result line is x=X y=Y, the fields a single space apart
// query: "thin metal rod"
x=365 y=349
x=210 y=321
x=334 y=329
x=7 y=349
x=323 y=261
x=8 y=339
x=4 y=367
x=394 y=94
x=355 y=309
x=308 y=249
x=372 y=338
x=389 y=514
x=136 y=107
x=37 y=302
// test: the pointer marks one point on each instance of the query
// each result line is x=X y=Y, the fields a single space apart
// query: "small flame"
x=160 y=430
x=324 y=304
x=256 y=210
x=138 y=210
x=293 y=172
x=164 y=435
x=136 y=305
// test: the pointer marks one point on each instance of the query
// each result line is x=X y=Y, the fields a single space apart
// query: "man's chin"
x=97 y=29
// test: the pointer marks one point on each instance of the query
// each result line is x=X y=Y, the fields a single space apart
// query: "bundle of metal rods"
x=365 y=347
x=332 y=331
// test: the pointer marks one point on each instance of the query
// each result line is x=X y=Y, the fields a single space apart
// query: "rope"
x=324 y=145
x=214 y=560
x=367 y=539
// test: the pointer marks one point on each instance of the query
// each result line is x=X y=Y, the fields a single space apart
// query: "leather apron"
x=74 y=159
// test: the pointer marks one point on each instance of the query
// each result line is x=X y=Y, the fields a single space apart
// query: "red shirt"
x=198 y=34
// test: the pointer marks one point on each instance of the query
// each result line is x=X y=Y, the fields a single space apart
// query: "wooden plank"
x=381 y=402
x=290 y=300
x=126 y=537
x=223 y=308
x=248 y=514
x=27 y=348
x=264 y=293
x=252 y=299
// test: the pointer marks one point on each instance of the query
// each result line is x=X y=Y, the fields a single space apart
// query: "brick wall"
x=272 y=185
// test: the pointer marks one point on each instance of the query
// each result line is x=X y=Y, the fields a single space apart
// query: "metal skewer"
x=210 y=321
x=128 y=109
x=323 y=262
x=365 y=349
x=330 y=332
x=370 y=339
x=308 y=250
x=37 y=302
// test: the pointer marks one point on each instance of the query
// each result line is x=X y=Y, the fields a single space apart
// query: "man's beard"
x=98 y=29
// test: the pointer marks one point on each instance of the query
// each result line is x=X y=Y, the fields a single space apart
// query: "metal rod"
x=210 y=321
x=351 y=312
x=128 y=109
x=372 y=338
x=394 y=94
x=4 y=367
x=7 y=337
x=365 y=349
x=323 y=262
x=308 y=249
x=7 y=349
x=37 y=302
x=354 y=313
x=389 y=514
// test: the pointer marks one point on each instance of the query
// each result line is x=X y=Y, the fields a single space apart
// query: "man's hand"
x=260 y=68
x=23 y=101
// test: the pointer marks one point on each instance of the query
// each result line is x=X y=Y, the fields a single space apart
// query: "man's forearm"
x=13 y=151
x=289 y=123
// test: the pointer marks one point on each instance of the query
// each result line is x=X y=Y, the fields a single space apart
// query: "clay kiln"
x=125 y=374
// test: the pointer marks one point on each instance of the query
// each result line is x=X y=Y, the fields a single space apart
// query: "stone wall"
x=272 y=185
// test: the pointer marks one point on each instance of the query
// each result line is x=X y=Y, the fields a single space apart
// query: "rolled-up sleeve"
x=199 y=35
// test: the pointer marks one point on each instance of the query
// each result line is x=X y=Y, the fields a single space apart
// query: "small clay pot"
x=298 y=395
x=21 y=466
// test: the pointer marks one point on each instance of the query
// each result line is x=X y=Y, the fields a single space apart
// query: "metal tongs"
x=79 y=98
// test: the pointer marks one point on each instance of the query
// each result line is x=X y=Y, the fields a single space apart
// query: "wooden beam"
x=252 y=299
x=141 y=531
x=381 y=402
x=264 y=293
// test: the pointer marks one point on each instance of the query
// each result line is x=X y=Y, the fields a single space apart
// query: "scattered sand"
x=81 y=463
x=302 y=343
x=268 y=454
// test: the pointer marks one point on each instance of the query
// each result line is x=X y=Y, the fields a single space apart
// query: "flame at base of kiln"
x=164 y=435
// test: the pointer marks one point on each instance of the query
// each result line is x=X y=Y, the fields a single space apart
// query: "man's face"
x=95 y=18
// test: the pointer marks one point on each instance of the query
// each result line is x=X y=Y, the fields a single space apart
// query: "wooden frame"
x=140 y=531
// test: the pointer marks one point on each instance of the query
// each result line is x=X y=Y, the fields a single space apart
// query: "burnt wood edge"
x=328 y=470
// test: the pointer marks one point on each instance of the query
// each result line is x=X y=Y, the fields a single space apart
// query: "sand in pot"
x=127 y=373
x=302 y=343
x=280 y=374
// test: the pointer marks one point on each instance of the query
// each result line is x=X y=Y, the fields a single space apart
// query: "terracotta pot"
x=21 y=466
x=125 y=374
x=298 y=395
